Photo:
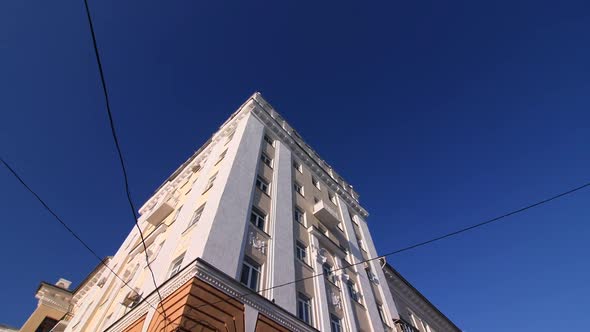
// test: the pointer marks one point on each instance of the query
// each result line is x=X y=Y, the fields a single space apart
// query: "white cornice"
x=263 y=111
x=170 y=186
x=207 y=273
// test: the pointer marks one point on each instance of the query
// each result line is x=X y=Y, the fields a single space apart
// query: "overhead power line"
x=119 y=152
x=414 y=246
x=67 y=227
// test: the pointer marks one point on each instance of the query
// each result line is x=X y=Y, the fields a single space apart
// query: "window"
x=196 y=216
x=269 y=140
x=361 y=245
x=316 y=200
x=315 y=183
x=177 y=213
x=297 y=166
x=250 y=274
x=175 y=266
x=301 y=252
x=381 y=313
x=266 y=160
x=299 y=215
x=304 y=308
x=257 y=218
x=298 y=188
x=229 y=138
x=332 y=198
x=335 y=325
x=352 y=291
x=328 y=273
x=210 y=182
x=262 y=184
x=221 y=156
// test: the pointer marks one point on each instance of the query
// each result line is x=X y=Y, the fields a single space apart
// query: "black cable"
x=530 y=206
x=102 y=261
x=119 y=152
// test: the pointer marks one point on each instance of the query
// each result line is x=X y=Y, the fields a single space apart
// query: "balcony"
x=326 y=214
x=163 y=209
x=403 y=326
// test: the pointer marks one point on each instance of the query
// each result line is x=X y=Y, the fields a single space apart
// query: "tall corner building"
x=227 y=235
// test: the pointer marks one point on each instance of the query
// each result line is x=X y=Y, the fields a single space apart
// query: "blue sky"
x=440 y=114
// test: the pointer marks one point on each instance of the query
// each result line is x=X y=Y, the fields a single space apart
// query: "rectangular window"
x=352 y=291
x=304 y=308
x=298 y=188
x=332 y=198
x=266 y=160
x=257 y=218
x=301 y=252
x=315 y=183
x=210 y=182
x=335 y=325
x=262 y=185
x=221 y=156
x=299 y=215
x=381 y=313
x=250 y=274
x=175 y=266
x=328 y=273
x=297 y=166
x=196 y=216
x=229 y=138
x=269 y=140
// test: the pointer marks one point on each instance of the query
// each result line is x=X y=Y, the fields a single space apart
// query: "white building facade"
x=228 y=233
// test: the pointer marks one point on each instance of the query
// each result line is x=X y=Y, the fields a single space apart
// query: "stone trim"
x=209 y=274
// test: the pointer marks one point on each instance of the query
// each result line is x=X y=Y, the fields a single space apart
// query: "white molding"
x=205 y=272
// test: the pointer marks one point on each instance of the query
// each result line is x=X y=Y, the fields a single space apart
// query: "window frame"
x=269 y=140
x=196 y=216
x=304 y=308
x=335 y=323
x=259 y=215
x=316 y=183
x=210 y=182
x=332 y=197
x=352 y=292
x=328 y=273
x=298 y=187
x=221 y=156
x=266 y=159
x=263 y=182
x=297 y=165
x=176 y=265
x=301 y=250
x=299 y=212
x=252 y=266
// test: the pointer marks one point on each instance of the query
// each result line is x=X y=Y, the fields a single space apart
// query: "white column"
x=345 y=299
x=250 y=318
x=389 y=304
x=319 y=285
x=231 y=198
x=364 y=283
x=282 y=269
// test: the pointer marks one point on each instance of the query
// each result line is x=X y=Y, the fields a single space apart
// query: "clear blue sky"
x=441 y=114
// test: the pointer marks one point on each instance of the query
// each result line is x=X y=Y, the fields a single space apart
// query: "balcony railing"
x=403 y=326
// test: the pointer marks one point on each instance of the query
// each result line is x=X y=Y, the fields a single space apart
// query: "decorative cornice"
x=413 y=297
x=264 y=112
x=171 y=185
x=221 y=281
